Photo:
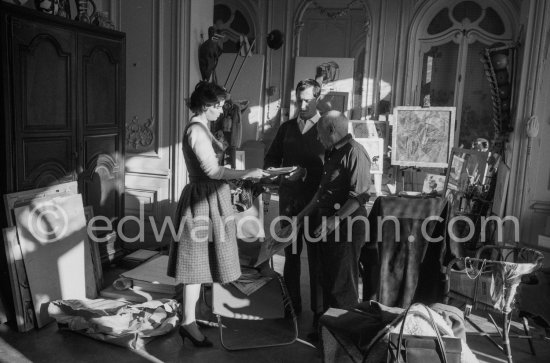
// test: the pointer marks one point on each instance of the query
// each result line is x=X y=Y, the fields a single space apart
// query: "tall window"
x=447 y=71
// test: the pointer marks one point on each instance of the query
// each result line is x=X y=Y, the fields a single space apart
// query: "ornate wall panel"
x=150 y=121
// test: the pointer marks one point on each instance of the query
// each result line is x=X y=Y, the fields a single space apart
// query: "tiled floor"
x=51 y=345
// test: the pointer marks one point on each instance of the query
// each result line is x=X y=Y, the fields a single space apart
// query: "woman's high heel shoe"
x=205 y=343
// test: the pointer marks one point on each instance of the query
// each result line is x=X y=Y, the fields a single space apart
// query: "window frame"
x=463 y=34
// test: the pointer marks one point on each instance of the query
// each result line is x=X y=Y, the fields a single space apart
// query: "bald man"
x=340 y=202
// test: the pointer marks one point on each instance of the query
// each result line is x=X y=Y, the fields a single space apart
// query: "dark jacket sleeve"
x=274 y=156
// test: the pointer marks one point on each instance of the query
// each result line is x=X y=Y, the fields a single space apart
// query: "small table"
x=400 y=262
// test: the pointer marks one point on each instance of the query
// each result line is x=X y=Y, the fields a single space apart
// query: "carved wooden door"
x=100 y=114
x=44 y=104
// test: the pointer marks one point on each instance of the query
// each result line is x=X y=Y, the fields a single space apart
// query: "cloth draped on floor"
x=116 y=322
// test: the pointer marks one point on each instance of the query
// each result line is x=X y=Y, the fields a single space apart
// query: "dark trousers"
x=291 y=203
x=340 y=273
x=292 y=272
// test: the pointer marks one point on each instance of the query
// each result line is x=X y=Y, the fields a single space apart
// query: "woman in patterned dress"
x=206 y=251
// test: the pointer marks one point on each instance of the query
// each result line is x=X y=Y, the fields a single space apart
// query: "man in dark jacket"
x=297 y=144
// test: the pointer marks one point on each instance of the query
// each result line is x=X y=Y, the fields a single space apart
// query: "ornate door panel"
x=100 y=177
x=150 y=122
x=44 y=104
x=101 y=79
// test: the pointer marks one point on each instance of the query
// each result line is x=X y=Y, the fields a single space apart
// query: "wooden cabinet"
x=63 y=99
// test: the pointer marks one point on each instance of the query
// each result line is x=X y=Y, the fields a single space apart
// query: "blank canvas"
x=54 y=244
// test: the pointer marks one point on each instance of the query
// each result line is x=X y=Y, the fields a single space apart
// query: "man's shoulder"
x=357 y=149
x=290 y=123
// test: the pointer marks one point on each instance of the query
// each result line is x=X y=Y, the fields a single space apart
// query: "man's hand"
x=331 y=224
x=297 y=174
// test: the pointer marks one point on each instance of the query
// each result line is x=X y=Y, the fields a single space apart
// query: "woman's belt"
x=200 y=179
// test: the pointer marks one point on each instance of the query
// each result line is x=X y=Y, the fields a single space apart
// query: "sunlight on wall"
x=140 y=162
x=368 y=102
x=385 y=90
x=254 y=123
x=272 y=111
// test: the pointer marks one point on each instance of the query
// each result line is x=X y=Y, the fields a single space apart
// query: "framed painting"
x=333 y=101
x=467 y=167
x=375 y=149
x=433 y=184
x=422 y=136
x=368 y=129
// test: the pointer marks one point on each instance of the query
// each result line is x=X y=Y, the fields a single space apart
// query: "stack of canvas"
x=48 y=251
x=151 y=277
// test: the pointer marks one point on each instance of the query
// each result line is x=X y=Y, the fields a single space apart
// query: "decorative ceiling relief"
x=337 y=13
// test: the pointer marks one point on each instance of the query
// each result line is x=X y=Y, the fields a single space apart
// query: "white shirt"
x=305 y=125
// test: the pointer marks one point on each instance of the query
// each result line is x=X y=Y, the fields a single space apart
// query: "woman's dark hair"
x=306 y=83
x=205 y=94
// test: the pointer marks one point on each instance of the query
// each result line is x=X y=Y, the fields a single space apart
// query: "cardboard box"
x=463 y=284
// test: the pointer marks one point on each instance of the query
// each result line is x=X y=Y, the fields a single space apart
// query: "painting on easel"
x=423 y=136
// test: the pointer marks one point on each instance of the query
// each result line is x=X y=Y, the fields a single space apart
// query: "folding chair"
x=264 y=318
x=491 y=285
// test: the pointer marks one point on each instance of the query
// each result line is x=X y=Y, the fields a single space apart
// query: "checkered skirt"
x=206 y=250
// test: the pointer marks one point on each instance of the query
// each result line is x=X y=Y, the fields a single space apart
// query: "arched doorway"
x=323 y=29
x=444 y=67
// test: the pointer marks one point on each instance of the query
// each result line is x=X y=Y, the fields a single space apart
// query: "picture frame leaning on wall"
x=375 y=149
x=370 y=129
x=467 y=174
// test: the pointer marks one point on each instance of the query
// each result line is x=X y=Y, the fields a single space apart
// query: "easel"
x=232 y=131
x=408 y=180
x=402 y=173
x=240 y=67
